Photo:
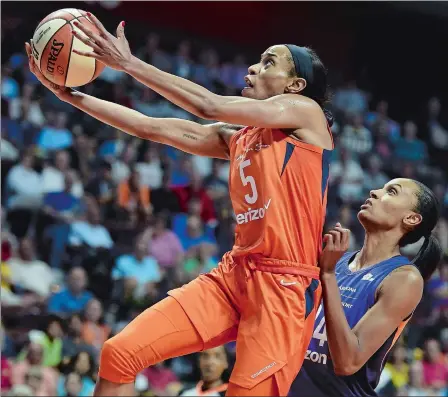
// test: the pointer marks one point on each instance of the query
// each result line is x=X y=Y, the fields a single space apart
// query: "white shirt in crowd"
x=35 y=276
x=150 y=174
x=53 y=181
x=351 y=182
x=95 y=236
x=26 y=187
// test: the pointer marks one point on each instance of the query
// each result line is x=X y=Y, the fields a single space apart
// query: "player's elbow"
x=210 y=108
x=347 y=366
x=345 y=369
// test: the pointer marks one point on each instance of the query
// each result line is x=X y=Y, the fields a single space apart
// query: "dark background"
x=399 y=48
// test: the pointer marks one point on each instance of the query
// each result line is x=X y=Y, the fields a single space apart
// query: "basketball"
x=52 y=47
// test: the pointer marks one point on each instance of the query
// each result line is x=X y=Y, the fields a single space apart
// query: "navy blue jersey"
x=357 y=289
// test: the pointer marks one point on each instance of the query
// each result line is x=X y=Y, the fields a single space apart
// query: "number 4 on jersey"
x=320 y=332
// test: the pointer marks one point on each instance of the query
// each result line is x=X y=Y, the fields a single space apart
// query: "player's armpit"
x=288 y=111
x=399 y=295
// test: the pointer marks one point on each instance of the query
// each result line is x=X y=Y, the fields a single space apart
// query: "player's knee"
x=117 y=363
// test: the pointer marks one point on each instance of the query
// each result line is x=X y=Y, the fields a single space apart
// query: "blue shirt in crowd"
x=65 y=302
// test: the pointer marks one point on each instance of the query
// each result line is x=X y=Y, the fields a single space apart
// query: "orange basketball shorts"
x=267 y=306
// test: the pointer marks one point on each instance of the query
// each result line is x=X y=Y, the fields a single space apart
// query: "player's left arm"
x=288 y=111
x=350 y=349
x=397 y=298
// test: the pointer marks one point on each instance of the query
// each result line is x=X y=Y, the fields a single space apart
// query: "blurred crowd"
x=98 y=225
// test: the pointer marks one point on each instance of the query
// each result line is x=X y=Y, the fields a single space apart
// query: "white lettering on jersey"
x=253 y=214
x=315 y=357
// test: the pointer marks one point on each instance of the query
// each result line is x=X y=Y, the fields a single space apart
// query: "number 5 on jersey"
x=248 y=180
x=320 y=332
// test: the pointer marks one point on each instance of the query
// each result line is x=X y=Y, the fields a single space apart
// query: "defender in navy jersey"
x=370 y=295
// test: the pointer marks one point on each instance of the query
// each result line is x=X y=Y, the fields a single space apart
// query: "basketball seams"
x=68 y=60
x=71 y=46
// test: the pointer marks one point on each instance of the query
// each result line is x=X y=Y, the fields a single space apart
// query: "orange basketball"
x=52 y=47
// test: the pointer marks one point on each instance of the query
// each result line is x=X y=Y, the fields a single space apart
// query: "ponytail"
x=430 y=253
x=428 y=257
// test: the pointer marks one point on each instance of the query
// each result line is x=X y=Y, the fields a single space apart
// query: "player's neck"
x=377 y=248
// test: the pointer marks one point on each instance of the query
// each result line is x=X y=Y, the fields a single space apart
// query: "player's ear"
x=296 y=86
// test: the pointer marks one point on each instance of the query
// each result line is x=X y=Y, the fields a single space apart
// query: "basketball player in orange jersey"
x=265 y=292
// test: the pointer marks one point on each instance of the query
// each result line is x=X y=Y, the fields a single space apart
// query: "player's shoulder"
x=404 y=280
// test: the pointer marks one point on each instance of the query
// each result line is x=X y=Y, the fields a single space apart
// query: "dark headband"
x=302 y=62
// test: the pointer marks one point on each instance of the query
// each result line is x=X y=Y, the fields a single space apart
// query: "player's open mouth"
x=367 y=203
x=248 y=82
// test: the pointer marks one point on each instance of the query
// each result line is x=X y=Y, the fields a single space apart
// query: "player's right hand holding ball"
x=63 y=93
x=336 y=241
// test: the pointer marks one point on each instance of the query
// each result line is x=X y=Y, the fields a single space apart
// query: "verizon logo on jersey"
x=252 y=214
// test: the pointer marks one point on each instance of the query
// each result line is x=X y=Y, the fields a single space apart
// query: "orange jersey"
x=278 y=188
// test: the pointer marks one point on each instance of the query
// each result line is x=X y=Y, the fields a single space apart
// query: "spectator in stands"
x=214 y=368
x=20 y=391
x=201 y=260
x=183 y=63
x=350 y=99
x=6 y=374
x=437 y=287
x=153 y=54
x=34 y=379
x=380 y=116
x=55 y=136
x=398 y=368
x=160 y=377
x=150 y=169
x=138 y=269
x=164 y=199
x=163 y=244
x=195 y=236
x=133 y=196
x=383 y=145
x=409 y=148
x=50 y=340
x=374 y=175
x=53 y=177
x=94 y=331
x=438 y=134
x=10 y=87
x=239 y=71
x=101 y=187
x=435 y=366
x=82 y=364
x=24 y=184
x=75 y=297
x=73 y=344
x=72 y=385
x=152 y=104
x=348 y=175
x=26 y=107
x=416 y=387
x=196 y=190
x=206 y=72
x=62 y=205
x=30 y=274
x=355 y=137
x=8 y=151
x=34 y=359
x=215 y=185
x=89 y=232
